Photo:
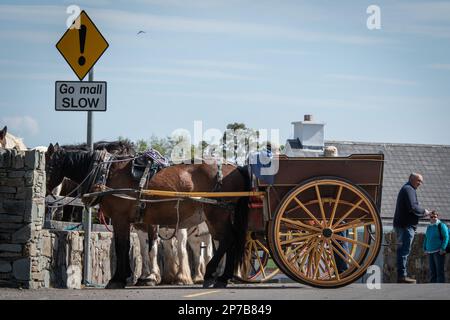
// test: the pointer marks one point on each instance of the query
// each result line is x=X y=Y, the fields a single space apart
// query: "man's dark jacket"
x=407 y=211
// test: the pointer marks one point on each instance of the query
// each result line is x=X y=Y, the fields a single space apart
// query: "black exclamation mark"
x=82 y=34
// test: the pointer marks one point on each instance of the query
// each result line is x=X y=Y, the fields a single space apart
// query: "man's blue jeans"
x=405 y=237
x=437 y=271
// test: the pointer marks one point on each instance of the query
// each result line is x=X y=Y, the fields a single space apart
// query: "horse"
x=227 y=221
x=8 y=141
x=67 y=187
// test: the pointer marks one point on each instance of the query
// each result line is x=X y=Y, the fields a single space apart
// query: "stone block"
x=14 y=206
x=10 y=227
x=10 y=218
x=22 y=235
x=35 y=210
x=31 y=159
x=5 y=237
x=5 y=266
x=15 y=182
x=7 y=247
x=18 y=161
x=15 y=255
x=6 y=189
x=30 y=178
x=5 y=158
x=46 y=248
x=16 y=174
x=22 y=269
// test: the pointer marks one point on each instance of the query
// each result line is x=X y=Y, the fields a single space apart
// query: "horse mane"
x=77 y=163
x=115 y=147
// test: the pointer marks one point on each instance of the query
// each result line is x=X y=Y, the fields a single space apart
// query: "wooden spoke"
x=302 y=262
x=355 y=206
x=322 y=212
x=297 y=239
x=335 y=236
x=345 y=252
x=327 y=262
x=306 y=210
x=333 y=260
x=300 y=224
x=301 y=246
x=353 y=225
x=261 y=265
x=263 y=247
x=338 y=197
x=318 y=261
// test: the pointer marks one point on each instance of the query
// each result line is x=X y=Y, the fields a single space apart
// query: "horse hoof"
x=208 y=283
x=115 y=285
x=146 y=283
x=220 y=284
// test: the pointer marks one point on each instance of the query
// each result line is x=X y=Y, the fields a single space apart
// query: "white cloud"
x=190 y=73
x=359 y=78
x=287 y=52
x=21 y=125
x=217 y=64
x=441 y=66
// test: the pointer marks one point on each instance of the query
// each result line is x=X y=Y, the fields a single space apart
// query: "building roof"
x=432 y=161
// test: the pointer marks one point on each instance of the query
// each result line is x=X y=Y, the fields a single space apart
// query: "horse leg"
x=122 y=246
x=183 y=275
x=169 y=258
x=209 y=279
x=228 y=273
x=149 y=249
x=202 y=254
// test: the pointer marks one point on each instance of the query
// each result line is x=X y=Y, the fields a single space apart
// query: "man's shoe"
x=406 y=280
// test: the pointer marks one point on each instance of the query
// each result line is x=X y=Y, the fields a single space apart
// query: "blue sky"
x=264 y=63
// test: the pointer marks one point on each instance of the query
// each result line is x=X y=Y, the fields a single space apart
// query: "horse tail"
x=241 y=219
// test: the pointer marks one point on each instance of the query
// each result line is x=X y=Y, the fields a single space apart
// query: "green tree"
x=238 y=141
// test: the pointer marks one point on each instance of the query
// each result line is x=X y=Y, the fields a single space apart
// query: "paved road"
x=288 y=291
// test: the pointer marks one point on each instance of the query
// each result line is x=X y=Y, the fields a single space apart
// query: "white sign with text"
x=80 y=96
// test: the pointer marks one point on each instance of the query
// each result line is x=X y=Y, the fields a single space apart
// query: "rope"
x=103 y=220
x=53 y=205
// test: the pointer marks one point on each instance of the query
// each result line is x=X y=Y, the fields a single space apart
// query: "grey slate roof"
x=432 y=161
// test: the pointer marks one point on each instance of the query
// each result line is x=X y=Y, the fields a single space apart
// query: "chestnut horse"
x=227 y=222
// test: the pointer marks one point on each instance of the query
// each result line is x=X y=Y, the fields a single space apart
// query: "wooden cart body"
x=363 y=170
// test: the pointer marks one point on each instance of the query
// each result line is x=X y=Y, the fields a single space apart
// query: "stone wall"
x=24 y=246
x=417 y=263
x=68 y=254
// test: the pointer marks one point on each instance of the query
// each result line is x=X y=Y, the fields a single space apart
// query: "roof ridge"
x=389 y=144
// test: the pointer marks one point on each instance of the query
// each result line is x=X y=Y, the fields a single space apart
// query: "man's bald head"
x=415 y=179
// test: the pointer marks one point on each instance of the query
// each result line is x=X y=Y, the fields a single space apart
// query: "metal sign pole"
x=87 y=214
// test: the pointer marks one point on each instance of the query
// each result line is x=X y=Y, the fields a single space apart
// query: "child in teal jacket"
x=434 y=245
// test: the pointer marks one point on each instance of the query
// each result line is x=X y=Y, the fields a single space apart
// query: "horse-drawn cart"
x=317 y=219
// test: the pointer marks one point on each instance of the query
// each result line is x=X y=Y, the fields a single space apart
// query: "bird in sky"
x=140 y=32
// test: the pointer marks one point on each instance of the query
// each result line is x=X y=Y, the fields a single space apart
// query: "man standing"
x=406 y=219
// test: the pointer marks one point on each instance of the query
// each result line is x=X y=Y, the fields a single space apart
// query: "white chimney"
x=309 y=133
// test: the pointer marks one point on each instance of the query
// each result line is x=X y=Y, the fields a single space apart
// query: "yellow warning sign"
x=82 y=45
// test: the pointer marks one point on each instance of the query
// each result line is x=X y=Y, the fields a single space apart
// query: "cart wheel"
x=325 y=233
x=258 y=267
